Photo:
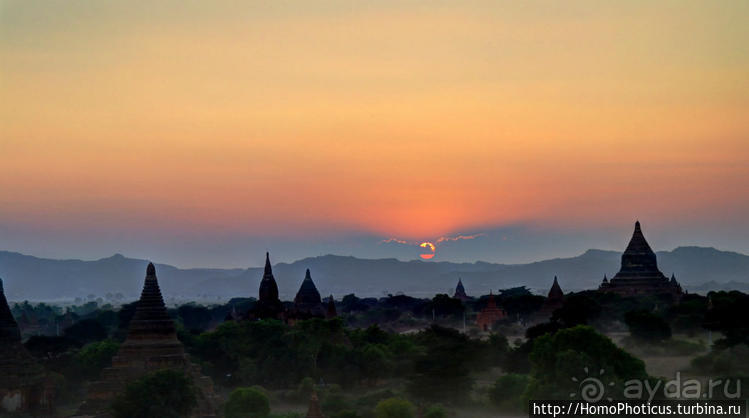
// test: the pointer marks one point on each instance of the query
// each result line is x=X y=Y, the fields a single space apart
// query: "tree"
x=507 y=392
x=86 y=331
x=577 y=310
x=435 y=411
x=558 y=358
x=727 y=314
x=162 y=394
x=644 y=326
x=395 y=408
x=247 y=403
x=94 y=357
x=441 y=373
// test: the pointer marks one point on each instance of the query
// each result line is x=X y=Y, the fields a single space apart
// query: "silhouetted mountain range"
x=27 y=277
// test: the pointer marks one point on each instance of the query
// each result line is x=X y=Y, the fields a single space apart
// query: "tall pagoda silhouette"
x=151 y=345
x=23 y=383
x=639 y=273
x=268 y=306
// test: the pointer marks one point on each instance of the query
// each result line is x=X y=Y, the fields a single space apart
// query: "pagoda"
x=151 y=345
x=460 y=292
x=489 y=315
x=268 y=304
x=23 y=383
x=313 y=410
x=554 y=300
x=639 y=273
x=307 y=303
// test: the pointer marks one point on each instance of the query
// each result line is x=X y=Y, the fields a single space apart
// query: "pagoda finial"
x=555 y=280
x=307 y=275
x=268 y=269
x=150 y=270
x=637 y=225
x=1 y=285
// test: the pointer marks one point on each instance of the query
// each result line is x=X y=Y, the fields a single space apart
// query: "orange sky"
x=412 y=120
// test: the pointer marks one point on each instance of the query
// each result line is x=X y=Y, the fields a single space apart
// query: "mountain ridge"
x=37 y=278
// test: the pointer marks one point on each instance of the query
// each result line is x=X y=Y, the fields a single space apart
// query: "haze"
x=203 y=133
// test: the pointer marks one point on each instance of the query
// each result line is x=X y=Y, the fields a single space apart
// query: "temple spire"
x=268 y=269
x=268 y=306
x=151 y=320
x=9 y=331
x=556 y=291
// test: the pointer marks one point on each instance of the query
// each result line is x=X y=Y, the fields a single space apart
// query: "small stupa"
x=314 y=411
x=460 y=291
x=490 y=314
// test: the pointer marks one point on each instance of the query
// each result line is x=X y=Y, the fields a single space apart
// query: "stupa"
x=268 y=304
x=554 y=300
x=151 y=345
x=22 y=380
x=460 y=292
x=489 y=315
x=313 y=410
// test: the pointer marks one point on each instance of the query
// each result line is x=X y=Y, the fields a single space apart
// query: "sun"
x=431 y=248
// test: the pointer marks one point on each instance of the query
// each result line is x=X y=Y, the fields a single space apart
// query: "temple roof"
x=638 y=257
x=17 y=367
x=268 y=287
x=307 y=294
x=555 y=292
x=9 y=332
x=151 y=320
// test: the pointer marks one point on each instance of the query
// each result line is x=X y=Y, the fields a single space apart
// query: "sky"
x=205 y=133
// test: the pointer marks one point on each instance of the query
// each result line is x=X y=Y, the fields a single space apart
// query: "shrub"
x=247 y=403
x=395 y=408
x=645 y=326
x=508 y=390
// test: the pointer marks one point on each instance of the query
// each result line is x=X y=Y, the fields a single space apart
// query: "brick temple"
x=639 y=273
x=151 y=345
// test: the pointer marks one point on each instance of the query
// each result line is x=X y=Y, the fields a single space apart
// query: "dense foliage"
x=162 y=394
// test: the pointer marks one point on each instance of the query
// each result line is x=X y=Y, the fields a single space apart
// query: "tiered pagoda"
x=23 y=383
x=489 y=315
x=151 y=345
x=639 y=274
x=268 y=305
x=460 y=292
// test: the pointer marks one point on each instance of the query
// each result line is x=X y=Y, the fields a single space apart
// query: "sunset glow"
x=275 y=119
x=430 y=247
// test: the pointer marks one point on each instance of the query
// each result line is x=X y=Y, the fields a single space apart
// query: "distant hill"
x=26 y=277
